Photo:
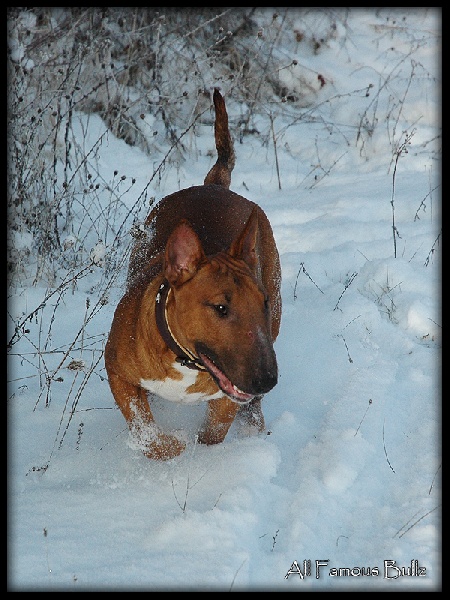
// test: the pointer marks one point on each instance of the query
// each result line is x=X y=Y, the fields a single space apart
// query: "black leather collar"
x=184 y=356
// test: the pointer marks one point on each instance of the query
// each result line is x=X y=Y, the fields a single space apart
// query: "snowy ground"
x=347 y=475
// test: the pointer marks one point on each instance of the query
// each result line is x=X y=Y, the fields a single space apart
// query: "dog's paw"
x=164 y=447
x=210 y=435
x=153 y=442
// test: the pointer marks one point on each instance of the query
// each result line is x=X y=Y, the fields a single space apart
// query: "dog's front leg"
x=133 y=403
x=220 y=414
x=251 y=414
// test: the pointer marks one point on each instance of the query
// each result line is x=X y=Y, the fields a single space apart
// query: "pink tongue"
x=224 y=383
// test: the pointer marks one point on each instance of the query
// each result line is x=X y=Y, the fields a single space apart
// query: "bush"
x=148 y=74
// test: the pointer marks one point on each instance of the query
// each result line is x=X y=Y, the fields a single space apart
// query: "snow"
x=347 y=474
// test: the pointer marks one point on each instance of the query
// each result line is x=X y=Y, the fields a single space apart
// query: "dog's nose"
x=265 y=380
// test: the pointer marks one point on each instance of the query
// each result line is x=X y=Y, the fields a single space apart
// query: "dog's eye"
x=221 y=310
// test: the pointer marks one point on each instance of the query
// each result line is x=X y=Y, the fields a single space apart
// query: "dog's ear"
x=244 y=246
x=183 y=254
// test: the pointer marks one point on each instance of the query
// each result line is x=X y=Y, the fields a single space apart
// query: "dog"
x=201 y=310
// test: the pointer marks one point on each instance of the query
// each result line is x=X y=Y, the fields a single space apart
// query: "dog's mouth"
x=225 y=384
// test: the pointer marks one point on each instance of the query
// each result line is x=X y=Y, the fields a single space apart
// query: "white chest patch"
x=175 y=389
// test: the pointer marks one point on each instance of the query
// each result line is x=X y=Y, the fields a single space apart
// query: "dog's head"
x=219 y=310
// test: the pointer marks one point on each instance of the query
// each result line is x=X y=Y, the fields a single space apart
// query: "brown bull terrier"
x=201 y=310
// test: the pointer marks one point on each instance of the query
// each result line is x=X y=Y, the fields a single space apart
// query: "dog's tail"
x=220 y=174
